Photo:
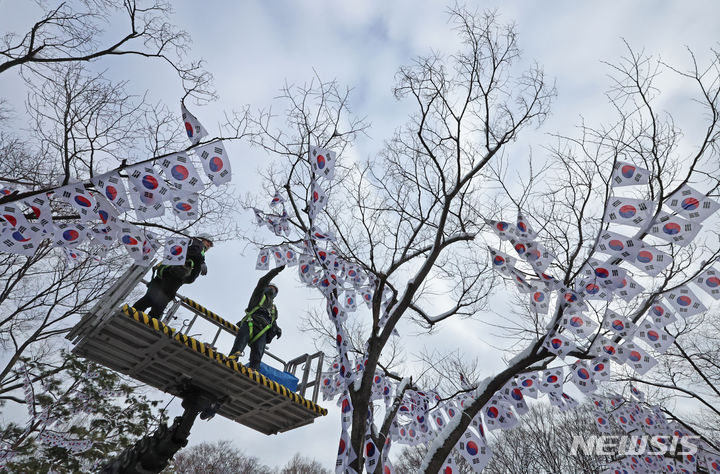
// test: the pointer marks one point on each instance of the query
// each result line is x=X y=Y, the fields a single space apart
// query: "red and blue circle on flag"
x=690 y=204
x=671 y=228
x=19 y=237
x=70 y=235
x=492 y=412
x=216 y=164
x=149 y=182
x=82 y=201
x=684 y=300
x=628 y=171
x=627 y=211
x=635 y=356
x=129 y=240
x=644 y=256
x=179 y=172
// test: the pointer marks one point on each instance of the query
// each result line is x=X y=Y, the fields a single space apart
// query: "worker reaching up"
x=259 y=325
x=167 y=279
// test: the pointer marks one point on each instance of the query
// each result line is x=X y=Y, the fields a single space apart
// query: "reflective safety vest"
x=248 y=318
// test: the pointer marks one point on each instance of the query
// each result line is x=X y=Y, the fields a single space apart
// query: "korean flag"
x=180 y=171
x=215 y=162
x=80 y=200
x=709 y=282
x=111 y=186
x=263 y=260
x=175 y=250
x=627 y=211
x=627 y=174
x=194 y=129
x=674 y=229
x=322 y=162
x=692 y=204
x=685 y=302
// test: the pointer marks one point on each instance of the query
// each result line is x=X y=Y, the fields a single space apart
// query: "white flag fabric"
x=70 y=234
x=627 y=211
x=603 y=273
x=317 y=234
x=186 y=205
x=582 y=377
x=150 y=247
x=19 y=240
x=277 y=199
x=620 y=325
x=628 y=288
x=40 y=207
x=502 y=262
x=145 y=207
x=651 y=260
x=539 y=257
x=524 y=231
x=318 y=199
x=692 y=204
x=132 y=239
x=80 y=200
x=591 y=290
x=474 y=450
x=149 y=192
x=551 y=380
x=263 y=260
x=627 y=174
x=528 y=383
x=502 y=229
x=685 y=302
x=558 y=344
x=498 y=414
x=194 y=129
x=215 y=162
x=322 y=162
x=180 y=171
x=674 y=229
x=654 y=336
x=637 y=358
x=661 y=314
x=579 y=324
x=539 y=300
x=111 y=186
x=600 y=369
x=175 y=250
x=372 y=455
x=602 y=422
x=709 y=282
x=618 y=245
x=604 y=347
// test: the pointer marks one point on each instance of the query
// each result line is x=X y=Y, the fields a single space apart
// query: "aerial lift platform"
x=128 y=341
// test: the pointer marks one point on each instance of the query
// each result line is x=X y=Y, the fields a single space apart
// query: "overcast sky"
x=252 y=48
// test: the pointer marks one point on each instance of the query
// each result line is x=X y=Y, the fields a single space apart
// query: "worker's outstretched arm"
x=262 y=283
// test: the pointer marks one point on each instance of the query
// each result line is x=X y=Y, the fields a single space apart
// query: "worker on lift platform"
x=167 y=279
x=259 y=326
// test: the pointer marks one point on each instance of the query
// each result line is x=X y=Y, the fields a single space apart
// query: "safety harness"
x=249 y=320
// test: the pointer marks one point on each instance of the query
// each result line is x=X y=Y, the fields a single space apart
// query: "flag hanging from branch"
x=474 y=450
x=661 y=314
x=524 y=231
x=692 y=204
x=80 y=200
x=605 y=347
x=277 y=199
x=600 y=369
x=149 y=192
x=685 y=302
x=194 y=129
x=637 y=358
x=318 y=199
x=70 y=234
x=502 y=262
x=651 y=260
x=322 y=162
x=627 y=211
x=674 y=229
x=180 y=171
x=40 y=207
x=502 y=229
x=175 y=250
x=582 y=377
x=618 y=245
x=558 y=344
x=263 y=260
x=628 y=288
x=215 y=162
x=111 y=186
x=654 y=336
x=626 y=174
x=709 y=282
x=551 y=380
x=132 y=238
x=578 y=324
x=185 y=205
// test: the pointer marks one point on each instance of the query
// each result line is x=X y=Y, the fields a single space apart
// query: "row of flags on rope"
x=423 y=416
x=99 y=203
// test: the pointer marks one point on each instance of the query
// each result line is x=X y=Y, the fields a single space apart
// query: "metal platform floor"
x=151 y=352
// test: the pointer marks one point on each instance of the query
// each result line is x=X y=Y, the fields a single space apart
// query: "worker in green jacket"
x=259 y=326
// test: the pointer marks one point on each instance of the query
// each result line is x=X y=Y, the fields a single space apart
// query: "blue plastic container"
x=283 y=378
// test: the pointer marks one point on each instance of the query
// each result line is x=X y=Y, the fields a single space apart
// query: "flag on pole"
x=175 y=250
x=627 y=211
x=692 y=204
x=322 y=162
x=215 y=162
x=194 y=129
x=111 y=186
x=180 y=171
x=627 y=174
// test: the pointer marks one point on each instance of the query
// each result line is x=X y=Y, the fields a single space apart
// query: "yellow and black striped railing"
x=209 y=314
x=219 y=357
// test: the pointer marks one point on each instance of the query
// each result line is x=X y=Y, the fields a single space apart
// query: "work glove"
x=279 y=332
x=203 y=269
